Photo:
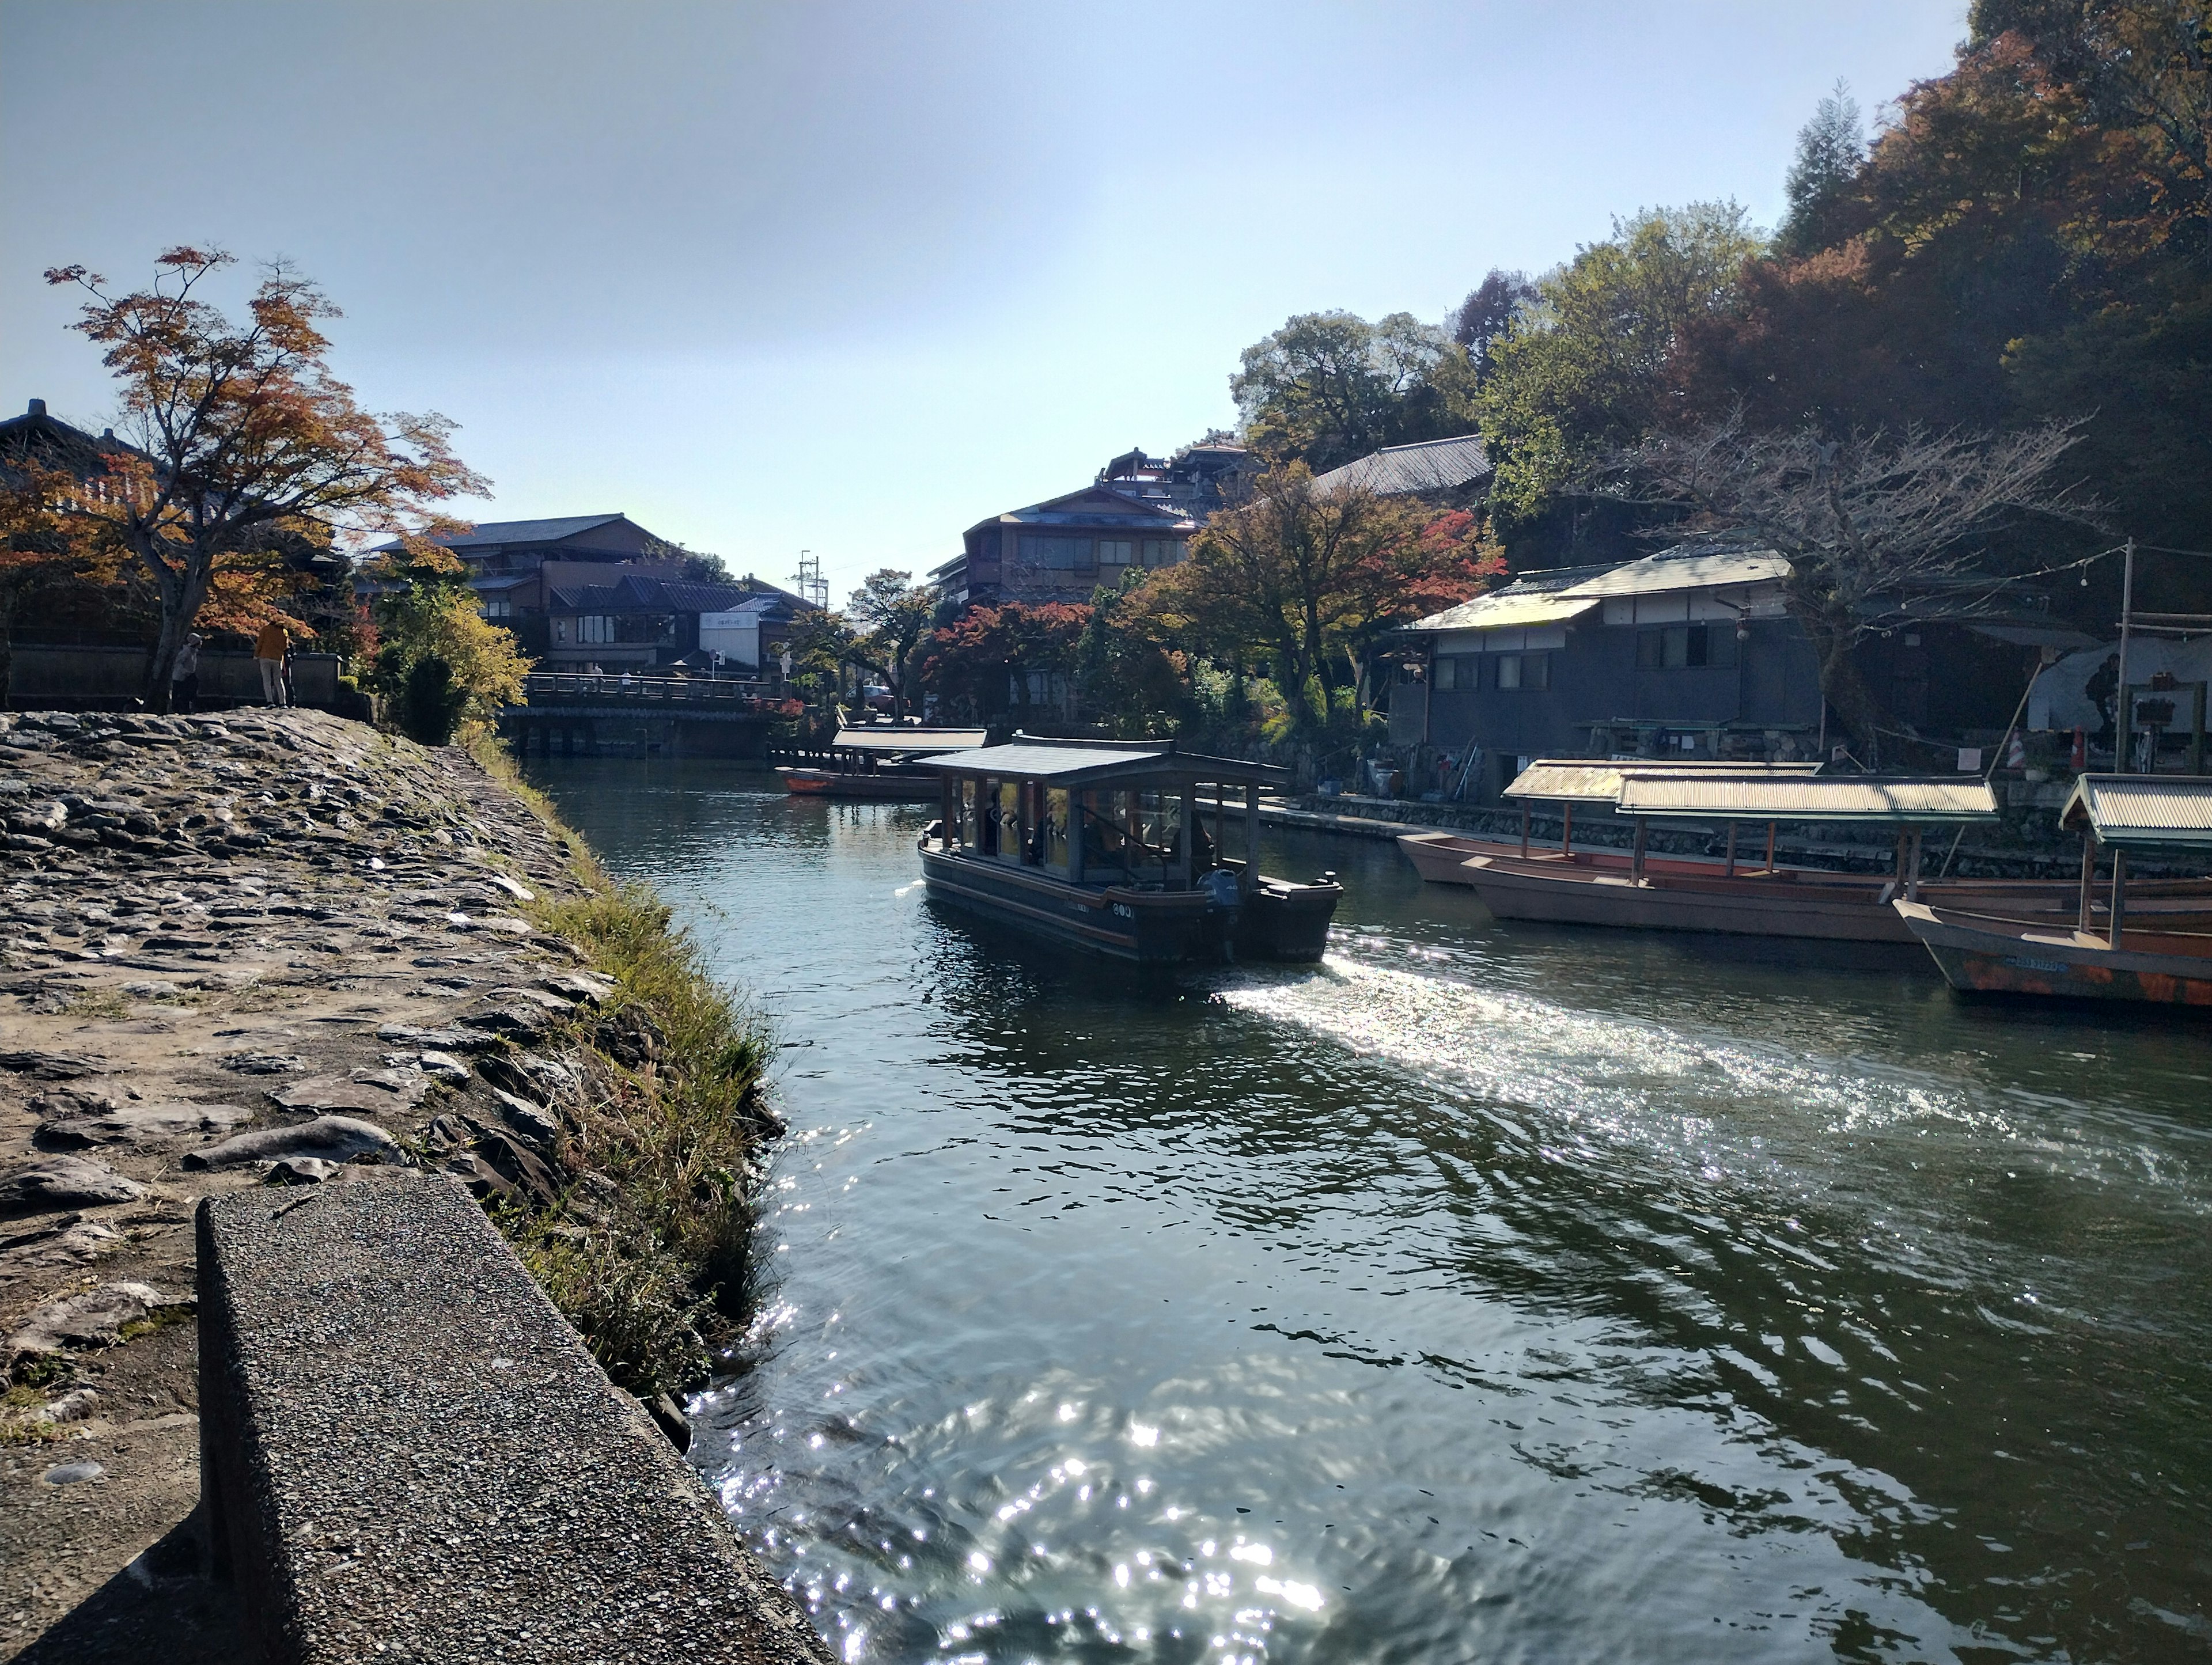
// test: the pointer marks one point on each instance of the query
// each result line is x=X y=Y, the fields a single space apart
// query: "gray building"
x=1689 y=653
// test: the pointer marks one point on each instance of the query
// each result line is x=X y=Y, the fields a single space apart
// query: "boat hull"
x=1565 y=895
x=1994 y=956
x=1151 y=927
x=1283 y=921
x=879 y=786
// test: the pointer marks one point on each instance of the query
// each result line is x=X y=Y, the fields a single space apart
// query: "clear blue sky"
x=850 y=277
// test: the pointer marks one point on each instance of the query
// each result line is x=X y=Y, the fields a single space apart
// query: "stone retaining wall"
x=407 y=1454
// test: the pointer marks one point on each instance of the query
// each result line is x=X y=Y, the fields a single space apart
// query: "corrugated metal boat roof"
x=1891 y=801
x=2135 y=812
x=1594 y=781
x=1079 y=763
x=893 y=737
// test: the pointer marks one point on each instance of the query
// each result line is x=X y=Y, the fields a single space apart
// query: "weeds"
x=98 y=1003
x=685 y=1066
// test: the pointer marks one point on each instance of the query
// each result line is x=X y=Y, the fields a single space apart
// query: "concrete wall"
x=64 y=678
x=407 y=1454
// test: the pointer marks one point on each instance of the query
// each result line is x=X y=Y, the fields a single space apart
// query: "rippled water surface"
x=1488 y=1292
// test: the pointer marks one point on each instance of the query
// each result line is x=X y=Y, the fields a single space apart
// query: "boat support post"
x=1912 y=875
x=2089 y=880
x=2119 y=895
x=1731 y=850
x=1567 y=833
x=1524 y=829
x=1636 y=856
x=1770 y=847
x=1251 y=836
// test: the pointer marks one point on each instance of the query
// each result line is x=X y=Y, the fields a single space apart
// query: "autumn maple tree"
x=239 y=446
x=1311 y=579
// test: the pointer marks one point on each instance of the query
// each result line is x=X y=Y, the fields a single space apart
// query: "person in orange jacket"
x=269 y=653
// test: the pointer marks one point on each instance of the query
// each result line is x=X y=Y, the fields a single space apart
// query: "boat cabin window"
x=1055 y=827
x=1006 y=805
x=971 y=832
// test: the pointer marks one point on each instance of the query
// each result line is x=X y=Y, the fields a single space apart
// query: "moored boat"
x=1648 y=893
x=2147 y=950
x=876 y=763
x=1980 y=954
x=1101 y=846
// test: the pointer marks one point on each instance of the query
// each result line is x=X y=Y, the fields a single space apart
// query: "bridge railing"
x=547 y=687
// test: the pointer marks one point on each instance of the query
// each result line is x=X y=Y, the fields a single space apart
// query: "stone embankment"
x=267 y=949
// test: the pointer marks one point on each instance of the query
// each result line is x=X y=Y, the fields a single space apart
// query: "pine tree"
x=1830 y=149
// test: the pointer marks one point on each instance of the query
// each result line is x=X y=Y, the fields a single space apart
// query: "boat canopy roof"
x=2138 y=811
x=1589 y=781
x=881 y=738
x=1865 y=799
x=1103 y=763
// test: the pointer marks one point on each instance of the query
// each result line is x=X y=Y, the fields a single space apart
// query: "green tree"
x=437 y=659
x=1329 y=387
x=892 y=614
x=1586 y=367
x=1830 y=149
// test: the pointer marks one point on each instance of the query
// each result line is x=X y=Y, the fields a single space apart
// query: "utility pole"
x=2123 y=716
x=813 y=587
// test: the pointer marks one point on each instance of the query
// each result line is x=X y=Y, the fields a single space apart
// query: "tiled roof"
x=1400 y=470
x=516 y=531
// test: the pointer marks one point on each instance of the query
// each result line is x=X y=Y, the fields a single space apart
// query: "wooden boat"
x=1984 y=954
x=877 y=761
x=2166 y=963
x=1101 y=845
x=1439 y=857
x=1647 y=893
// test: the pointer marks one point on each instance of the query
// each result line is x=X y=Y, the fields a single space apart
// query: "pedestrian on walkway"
x=185 y=674
x=269 y=653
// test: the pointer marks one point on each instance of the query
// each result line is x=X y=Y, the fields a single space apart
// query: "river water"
x=1488 y=1292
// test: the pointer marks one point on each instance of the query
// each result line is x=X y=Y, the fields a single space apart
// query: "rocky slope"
x=233 y=950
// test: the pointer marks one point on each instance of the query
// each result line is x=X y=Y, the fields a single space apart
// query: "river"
x=1488 y=1292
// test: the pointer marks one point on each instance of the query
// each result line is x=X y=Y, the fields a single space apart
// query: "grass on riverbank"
x=678 y=1065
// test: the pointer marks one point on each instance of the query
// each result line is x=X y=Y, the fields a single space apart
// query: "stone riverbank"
x=241 y=952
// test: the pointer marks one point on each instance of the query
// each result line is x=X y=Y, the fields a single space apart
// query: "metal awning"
x=2142 y=812
x=1504 y=610
x=891 y=737
x=1573 y=779
x=1103 y=763
x=1864 y=800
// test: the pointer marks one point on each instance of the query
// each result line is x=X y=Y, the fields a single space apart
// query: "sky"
x=848 y=278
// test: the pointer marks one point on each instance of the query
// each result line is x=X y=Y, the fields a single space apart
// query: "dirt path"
x=210 y=928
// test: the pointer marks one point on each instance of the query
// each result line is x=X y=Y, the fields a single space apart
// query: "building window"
x=1528 y=672
x=1056 y=554
x=499 y=609
x=1677 y=647
x=1112 y=553
x=1161 y=552
x=595 y=628
x=1458 y=672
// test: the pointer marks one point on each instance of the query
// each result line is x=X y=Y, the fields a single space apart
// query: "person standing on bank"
x=269 y=653
x=185 y=674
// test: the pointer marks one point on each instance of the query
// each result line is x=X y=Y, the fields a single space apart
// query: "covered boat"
x=1769 y=901
x=2150 y=949
x=1103 y=845
x=1441 y=857
x=876 y=761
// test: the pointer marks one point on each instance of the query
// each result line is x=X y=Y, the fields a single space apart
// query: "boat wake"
x=1696 y=1105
